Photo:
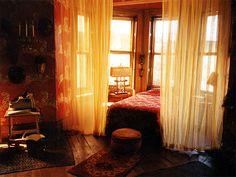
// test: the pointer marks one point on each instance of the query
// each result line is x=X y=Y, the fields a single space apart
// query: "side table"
x=21 y=128
x=117 y=97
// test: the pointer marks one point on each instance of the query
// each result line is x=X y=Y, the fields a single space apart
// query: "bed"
x=141 y=112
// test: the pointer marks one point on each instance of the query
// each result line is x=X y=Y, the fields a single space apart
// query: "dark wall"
x=18 y=64
x=228 y=156
x=233 y=46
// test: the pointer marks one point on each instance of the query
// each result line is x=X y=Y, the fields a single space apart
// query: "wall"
x=14 y=51
x=232 y=78
x=229 y=124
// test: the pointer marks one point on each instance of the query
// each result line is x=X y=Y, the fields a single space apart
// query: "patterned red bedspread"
x=140 y=111
x=144 y=101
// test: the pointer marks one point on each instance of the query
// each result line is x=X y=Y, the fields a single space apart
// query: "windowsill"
x=84 y=94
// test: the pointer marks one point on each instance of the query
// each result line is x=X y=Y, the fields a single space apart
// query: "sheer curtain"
x=193 y=72
x=82 y=46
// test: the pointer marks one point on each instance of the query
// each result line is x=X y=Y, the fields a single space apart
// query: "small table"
x=23 y=128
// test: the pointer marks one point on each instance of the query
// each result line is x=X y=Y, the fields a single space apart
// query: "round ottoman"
x=126 y=140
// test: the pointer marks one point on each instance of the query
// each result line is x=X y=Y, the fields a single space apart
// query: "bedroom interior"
x=90 y=73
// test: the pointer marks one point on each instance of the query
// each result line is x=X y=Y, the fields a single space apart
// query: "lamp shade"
x=120 y=71
x=212 y=79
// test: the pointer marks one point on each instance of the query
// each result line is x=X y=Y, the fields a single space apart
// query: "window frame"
x=152 y=53
x=203 y=54
x=131 y=53
x=209 y=89
x=87 y=89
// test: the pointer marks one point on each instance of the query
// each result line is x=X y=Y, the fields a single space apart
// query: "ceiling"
x=137 y=4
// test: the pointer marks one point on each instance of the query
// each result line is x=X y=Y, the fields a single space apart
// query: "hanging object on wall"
x=16 y=74
x=27 y=39
x=141 y=62
x=26 y=29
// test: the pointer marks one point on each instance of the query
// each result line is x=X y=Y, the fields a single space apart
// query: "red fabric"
x=154 y=92
x=145 y=101
x=63 y=59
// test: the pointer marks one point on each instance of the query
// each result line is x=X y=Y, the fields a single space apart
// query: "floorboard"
x=84 y=146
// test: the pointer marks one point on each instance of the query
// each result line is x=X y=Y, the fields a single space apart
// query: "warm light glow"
x=162 y=33
x=212 y=79
x=85 y=94
x=120 y=35
x=156 y=70
x=121 y=42
x=80 y=23
x=208 y=66
x=211 y=34
x=82 y=66
x=120 y=71
x=210 y=57
x=4 y=146
x=212 y=28
x=119 y=60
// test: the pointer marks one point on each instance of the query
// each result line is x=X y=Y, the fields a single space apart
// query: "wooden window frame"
x=132 y=46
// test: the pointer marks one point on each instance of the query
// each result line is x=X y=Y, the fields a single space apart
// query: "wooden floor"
x=85 y=146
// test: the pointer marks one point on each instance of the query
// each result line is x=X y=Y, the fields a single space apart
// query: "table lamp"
x=120 y=73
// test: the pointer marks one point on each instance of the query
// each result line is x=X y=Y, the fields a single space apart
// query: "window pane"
x=120 y=35
x=156 y=70
x=81 y=71
x=160 y=61
x=162 y=33
x=80 y=23
x=208 y=66
x=165 y=35
x=83 y=37
x=119 y=60
x=211 y=33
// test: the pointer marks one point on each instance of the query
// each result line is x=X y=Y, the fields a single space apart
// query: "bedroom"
x=44 y=92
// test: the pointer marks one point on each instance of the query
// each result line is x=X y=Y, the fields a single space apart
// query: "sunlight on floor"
x=3 y=146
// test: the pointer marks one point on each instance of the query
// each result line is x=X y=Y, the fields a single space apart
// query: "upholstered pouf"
x=126 y=140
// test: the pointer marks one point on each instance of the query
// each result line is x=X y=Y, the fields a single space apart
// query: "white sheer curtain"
x=82 y=43
x=193 y=72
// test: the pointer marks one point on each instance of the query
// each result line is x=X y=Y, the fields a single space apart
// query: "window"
x=82 y=64
x=121 y=46
x=210 y=52
x=159 y=38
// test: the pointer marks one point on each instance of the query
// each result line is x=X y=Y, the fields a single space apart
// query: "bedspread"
x=140 y=112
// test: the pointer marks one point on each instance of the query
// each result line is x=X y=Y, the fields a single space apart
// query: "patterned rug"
x=57 y=153
x=106 y=164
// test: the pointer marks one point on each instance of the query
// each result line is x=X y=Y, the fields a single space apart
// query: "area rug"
x=57 y=153
x=190 y=169
x=106 y=164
